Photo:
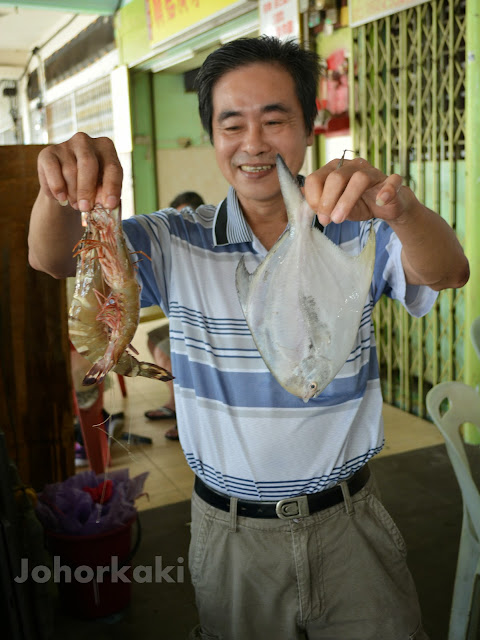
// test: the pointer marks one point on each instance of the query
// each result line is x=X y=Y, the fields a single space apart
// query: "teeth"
x=250 y=169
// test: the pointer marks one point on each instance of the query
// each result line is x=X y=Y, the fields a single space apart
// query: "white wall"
x=105 y=66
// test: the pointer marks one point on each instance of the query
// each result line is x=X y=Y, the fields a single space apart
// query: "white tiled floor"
x=170 y=479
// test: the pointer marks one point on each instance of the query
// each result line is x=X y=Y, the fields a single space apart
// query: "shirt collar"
x=229 y=224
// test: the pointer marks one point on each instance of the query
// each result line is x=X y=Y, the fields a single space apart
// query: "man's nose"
x=254 y=141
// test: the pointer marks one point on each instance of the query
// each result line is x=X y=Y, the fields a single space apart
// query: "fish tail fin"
x=291 y=192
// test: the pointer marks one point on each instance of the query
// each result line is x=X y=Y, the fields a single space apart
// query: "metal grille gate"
x=409 y=116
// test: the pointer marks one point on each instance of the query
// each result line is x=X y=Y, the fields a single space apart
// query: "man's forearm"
x=54 y=231
x=431 y=253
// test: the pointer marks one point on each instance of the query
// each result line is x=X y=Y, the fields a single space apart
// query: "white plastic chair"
x=463 y=406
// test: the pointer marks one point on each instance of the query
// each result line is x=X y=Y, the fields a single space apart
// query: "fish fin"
x=364 y=259
x=242 y=279
x=292 y=195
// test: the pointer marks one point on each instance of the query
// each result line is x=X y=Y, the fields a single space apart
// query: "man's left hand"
x=354 y=190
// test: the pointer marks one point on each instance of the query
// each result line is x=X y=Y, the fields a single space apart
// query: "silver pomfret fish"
x=303 y=304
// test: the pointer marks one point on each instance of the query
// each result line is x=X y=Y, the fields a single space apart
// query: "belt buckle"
x=292 y=508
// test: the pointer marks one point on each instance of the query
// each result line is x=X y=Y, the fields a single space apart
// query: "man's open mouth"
x=256 y=169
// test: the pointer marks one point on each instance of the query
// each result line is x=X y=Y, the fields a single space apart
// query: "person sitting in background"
x=190 y=199
x=158 y=339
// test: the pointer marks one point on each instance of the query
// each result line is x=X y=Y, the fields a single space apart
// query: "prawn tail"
x=129 y=366
x=150 y=370
x=98 y=372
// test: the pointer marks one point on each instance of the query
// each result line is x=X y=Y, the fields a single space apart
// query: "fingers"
x=83 y=176
x=82 y=172
x=343 y=206
x=315 y=187
x=389 y=190
x=324 y=188
x=353 y=190
x=51 y=177
x=112 y=178
x=335 y=188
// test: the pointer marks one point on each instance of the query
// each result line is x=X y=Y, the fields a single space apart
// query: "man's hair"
x=302 y=65
x=188 y=198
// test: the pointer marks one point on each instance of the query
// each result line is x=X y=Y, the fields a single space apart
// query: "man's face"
x=256 y=114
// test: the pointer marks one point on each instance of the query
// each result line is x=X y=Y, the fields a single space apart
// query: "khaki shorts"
x=339 y=574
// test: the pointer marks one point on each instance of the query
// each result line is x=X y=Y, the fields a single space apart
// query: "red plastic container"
x=90 y=592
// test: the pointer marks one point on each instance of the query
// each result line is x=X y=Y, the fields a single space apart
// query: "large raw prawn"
x=105 y=308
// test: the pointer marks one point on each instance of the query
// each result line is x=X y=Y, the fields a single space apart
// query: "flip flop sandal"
x=163 y=413
x=172 y=434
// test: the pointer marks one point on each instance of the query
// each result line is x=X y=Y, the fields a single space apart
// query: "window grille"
x=88 y=109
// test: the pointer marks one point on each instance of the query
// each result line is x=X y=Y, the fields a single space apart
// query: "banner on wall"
x=166 y=18
x=280 y=18
x=363 y=11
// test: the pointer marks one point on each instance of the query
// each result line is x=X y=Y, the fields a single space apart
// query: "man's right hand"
x=81 y=172
x=76 y=174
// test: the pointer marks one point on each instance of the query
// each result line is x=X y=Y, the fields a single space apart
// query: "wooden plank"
x=35 y=384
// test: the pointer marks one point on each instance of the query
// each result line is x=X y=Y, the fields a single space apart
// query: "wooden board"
x=35 y=385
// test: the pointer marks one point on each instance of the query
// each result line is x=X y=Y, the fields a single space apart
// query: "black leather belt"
x=296 y=507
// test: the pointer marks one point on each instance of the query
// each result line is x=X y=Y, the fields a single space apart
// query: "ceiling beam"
x=13 y=58
x=97 y=7
x=9 y=73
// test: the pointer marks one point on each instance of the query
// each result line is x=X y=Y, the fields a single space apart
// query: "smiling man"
x=289 y=538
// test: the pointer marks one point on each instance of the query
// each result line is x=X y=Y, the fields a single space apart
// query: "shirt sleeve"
x=148 y=238
x=389 y=276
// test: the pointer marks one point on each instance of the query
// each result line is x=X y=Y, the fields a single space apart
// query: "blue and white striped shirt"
x=241 y=432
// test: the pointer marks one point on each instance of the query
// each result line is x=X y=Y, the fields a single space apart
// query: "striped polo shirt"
x=241 y=432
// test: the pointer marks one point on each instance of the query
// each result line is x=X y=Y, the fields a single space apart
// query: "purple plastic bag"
x=64 y=507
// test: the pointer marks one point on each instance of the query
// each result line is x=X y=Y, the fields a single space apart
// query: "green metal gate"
x=409 y=118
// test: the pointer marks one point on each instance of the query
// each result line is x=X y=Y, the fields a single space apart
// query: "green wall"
x=143 y=132
x=176 y=113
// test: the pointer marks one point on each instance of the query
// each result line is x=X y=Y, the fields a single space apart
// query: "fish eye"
x=313 y=386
